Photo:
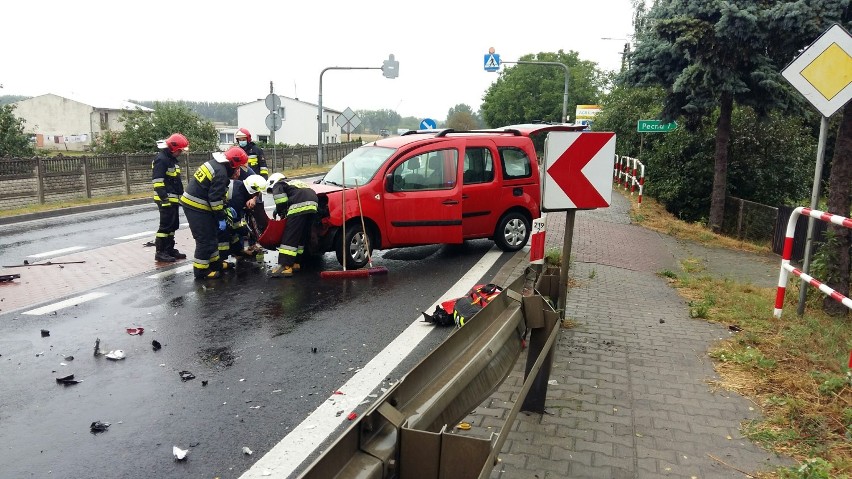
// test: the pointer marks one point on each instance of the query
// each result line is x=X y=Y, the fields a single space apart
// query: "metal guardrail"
x=404 y=434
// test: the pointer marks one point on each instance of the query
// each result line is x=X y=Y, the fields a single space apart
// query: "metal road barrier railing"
x=405 y=433
x=627 y=175
x=787 y=268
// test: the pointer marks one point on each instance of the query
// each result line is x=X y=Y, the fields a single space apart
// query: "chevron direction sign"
x=578 y=170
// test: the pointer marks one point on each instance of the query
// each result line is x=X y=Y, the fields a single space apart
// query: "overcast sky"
x=230 y=50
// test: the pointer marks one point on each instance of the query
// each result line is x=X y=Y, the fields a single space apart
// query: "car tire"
x=356 y=249
x=513 y=231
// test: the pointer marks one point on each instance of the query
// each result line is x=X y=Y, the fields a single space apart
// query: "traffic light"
x=390 y=67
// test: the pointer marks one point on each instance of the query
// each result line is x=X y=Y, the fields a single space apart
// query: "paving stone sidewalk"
x=634 y=394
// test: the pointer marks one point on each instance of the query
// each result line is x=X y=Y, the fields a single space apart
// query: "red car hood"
x=324 y=189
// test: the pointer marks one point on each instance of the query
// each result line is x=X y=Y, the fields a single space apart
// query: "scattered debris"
x=69 y=358
x=40 y=354
x=553 y=382
x=68 y=380
x=203 y=382
x=26 y=261
x=247 y=451
x=464 y=426
x=266 y=472
x=8 y=277
x=45 y=333
x=314 y=350
x=339 y=413
x=662 y=321
x=116 y=355
x=99 y=426
x=148 y=244
x=186 y=376
x=735 y=328
x=135 y=331
x=351 y=416
x=98 y=351
x=338 y=392
x=180 y=454
x=48 y=263
x=63 y=364
x=156 y=345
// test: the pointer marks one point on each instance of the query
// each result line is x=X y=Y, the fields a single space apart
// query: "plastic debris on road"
x=69 y=358
x=180 y=454
x=351 y=416
x=68 y=380
x=156 y=345
x=116 y=355
x=135 y=331
x=247 y=451
x=464 y=426
x=186 y=376
x=99 y=426
x=98 y=351
x=45 y=333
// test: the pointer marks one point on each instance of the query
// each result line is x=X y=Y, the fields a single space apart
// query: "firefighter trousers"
x=205 y=230
x=169 y=223
x=296 y=235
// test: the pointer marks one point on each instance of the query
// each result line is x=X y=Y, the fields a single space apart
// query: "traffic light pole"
x=565 y=94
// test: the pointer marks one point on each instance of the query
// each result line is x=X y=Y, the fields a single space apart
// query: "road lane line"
x=283 y=459
x=64 y=304
x=137 y=235
x=165 y=274
x=57 y=252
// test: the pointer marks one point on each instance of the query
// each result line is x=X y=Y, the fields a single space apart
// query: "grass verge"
x=794 y=369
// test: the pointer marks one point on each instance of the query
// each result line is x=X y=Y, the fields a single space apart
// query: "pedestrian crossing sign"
x=492 y=62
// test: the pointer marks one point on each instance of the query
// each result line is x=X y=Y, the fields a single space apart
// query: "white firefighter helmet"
x=273 y=179
x=255 y=184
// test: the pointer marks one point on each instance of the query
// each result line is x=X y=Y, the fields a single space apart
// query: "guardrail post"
x=40 y=181
x=86 y=180
x=127 y=172
x=540 y=330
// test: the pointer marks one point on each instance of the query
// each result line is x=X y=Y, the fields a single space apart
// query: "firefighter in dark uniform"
x=204 y=206
x=165 y=178
x=298 y=203
x=256 y=162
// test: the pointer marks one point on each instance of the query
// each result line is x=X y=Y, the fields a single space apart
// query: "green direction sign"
x=654 y=126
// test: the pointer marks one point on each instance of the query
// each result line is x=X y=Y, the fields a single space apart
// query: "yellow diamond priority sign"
x=823 y=72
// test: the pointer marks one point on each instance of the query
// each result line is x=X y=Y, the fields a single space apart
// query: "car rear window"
x=516 y=163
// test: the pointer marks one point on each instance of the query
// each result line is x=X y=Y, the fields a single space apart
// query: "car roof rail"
x=441 y=132
x=513 y=131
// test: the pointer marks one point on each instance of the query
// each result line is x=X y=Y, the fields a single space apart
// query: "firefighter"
x=256 y=162
x=239 y=237
x=296 y=202
x=204 y=206
x=165 y=178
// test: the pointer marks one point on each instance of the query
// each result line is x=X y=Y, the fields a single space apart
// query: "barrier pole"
x=641 y=182
x=787 y=268
x=815 y=194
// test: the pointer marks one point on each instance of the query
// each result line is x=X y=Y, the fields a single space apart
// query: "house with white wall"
x=71 y=124
x=298 y=122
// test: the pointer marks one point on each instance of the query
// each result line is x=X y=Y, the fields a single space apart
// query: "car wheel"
x=355 y=248
x=512 y=232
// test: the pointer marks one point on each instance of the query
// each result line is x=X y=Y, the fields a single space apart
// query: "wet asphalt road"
x=251 y=338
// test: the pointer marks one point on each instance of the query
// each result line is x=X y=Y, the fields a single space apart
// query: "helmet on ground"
x=274 y=178
x=176 y=143
x=255 y=184
x=243 y=133
x=234 y=156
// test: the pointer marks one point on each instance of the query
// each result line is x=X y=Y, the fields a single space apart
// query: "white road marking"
x=137 y=235
x=165 y=274
x=283 y=459
x=64 y=304
x=57 y=252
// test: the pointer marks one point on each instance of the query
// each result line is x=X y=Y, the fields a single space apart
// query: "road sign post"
x=822 y=75
x=655 y=126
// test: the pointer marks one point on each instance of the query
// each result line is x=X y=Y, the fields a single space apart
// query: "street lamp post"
x=565 y=94
x=623 y=53
x=390 y=69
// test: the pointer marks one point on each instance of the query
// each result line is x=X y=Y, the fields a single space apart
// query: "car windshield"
x=361 y=165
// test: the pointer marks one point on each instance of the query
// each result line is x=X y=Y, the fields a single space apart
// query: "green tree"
x=143 y=129
x=526 y=93
x=373 y=121
x=707 y=56
x=213 y=111
x=13 y=140
x=461 y=117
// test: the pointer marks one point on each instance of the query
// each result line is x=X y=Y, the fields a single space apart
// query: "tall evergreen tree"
x=708 y=55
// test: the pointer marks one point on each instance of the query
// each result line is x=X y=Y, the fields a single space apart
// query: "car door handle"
x=450 y=202
x=464 y=197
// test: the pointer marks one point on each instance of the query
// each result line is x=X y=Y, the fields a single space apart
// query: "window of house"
x=263 y=138
x=104 y=121
x=226 y=138
x=516 y=163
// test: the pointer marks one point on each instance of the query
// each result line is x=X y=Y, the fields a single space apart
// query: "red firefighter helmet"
x=242 y=132
x=177 y=142
x=236 y=157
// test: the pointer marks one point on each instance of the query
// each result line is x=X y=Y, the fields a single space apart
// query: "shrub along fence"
x=27 y=181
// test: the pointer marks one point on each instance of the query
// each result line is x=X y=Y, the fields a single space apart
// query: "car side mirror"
x=389 y=182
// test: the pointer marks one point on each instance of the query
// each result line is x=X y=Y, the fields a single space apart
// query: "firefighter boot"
x=281 y=271
x=170 y=248
x=162 y=254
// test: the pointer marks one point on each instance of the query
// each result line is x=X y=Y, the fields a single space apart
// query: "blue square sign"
x=492 y=62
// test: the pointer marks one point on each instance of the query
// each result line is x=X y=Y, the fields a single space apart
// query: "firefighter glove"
x=222 y=225
x=231 y=212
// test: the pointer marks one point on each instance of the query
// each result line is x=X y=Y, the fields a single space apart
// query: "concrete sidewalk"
x=633 y=396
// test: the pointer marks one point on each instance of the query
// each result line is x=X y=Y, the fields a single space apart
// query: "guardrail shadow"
x=404 y=433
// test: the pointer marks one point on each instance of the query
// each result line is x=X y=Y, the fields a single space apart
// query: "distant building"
x=298 y=122
x=70 y=124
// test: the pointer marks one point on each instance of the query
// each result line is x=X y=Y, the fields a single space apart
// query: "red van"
x=433 y=186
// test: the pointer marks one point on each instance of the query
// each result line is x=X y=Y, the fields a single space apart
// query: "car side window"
x=435 y=170
x=516 y=163
x=478 y=166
